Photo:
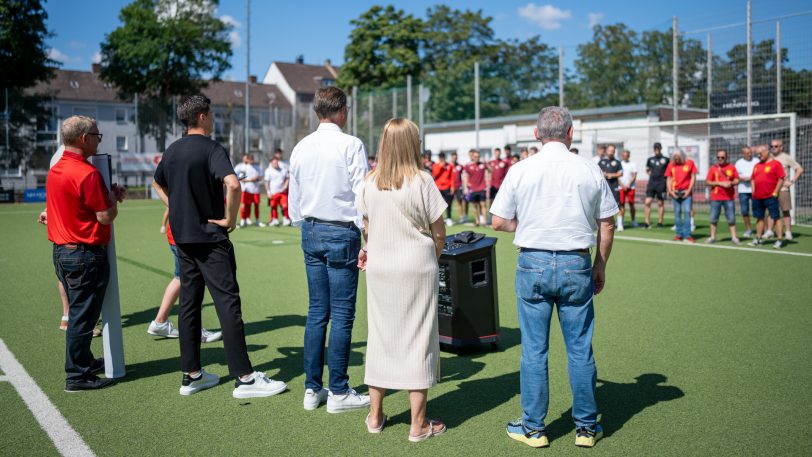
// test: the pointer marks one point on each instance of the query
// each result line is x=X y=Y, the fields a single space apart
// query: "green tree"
x=383 y=49
x=525 y=75
x=165 y=48
x=654 y=65
x=606 y=66
x=25 y=62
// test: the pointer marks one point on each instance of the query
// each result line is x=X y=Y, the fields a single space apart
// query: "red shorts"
x=627 y=196
x=249 y=198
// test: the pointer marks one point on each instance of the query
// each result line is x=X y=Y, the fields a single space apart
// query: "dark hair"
x=329 y=101
x=507 y=148
x=441 y=155
x=574 y=150
x=191 y=107
x=658 y=146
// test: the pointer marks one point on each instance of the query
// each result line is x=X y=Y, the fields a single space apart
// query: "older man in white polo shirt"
x=327 y=170
x=555 y=201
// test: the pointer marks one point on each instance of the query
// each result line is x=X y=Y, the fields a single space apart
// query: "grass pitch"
x=700 y=351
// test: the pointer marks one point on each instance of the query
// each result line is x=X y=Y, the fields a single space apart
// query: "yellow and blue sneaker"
x=586 y=437
x=530 y=437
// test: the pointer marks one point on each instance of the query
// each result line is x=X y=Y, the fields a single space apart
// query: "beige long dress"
x=403 y=347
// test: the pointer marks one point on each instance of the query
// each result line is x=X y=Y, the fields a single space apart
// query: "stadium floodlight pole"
x=675 y=78
x=777 y=66
x=476 y=102
x=710 y=71
x=138 y=138
x=561 y=76
x=355 y=111
x=247 y=72
x=749 y=69
x=394 y=103
x=409 y=97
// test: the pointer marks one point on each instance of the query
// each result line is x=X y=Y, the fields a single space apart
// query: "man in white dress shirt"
x=327 y=170
x=554 y=201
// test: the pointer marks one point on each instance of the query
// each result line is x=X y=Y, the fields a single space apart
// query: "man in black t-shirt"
x=655 y=167
x=190 y=179
x=612 y=171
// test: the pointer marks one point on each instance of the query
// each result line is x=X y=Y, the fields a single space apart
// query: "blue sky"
x=319 y=30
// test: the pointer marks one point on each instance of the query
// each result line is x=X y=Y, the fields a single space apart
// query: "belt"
x=316 y=220
x=579 y=251
x=82 y=246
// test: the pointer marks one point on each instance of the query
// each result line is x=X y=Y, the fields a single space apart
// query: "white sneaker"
x=243 y=222
x=778 y=244
x=747 y=234
x=210 y=337
x=166 y=330
x=260 y=224
x=258 y=385
x=483 y=220
x=768 y=234
x=619 y=228
x=346 y=402
x=285 y=221
x=449 y=222
x=787 y=236
x=673 y=228
x=204 y=380
x=693 y=226
x=274 y=223
x=313 y=399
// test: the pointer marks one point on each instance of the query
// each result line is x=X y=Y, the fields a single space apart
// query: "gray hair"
x=554 y=122
x=74 y=127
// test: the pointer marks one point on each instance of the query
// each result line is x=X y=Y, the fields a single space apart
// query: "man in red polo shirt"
x=767 y=178
x=681 y=177
x=474 y=184
x=722 y=179
x=456 y=187
x=443 y=174
x=498 y=167
x=80 y=211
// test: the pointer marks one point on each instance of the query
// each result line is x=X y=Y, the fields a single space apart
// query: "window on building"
x=121 y=115
x=48 y=120
x=256 y=144
x=85 y=111
x=327 y=82
x=121 y=143
x=254 y=119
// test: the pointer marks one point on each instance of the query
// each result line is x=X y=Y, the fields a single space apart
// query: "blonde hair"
x=398 y=154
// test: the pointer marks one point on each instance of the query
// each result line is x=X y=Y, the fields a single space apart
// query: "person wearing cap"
x=80 y=211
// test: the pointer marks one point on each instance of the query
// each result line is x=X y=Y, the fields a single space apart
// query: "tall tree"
x=383 y=49
x=165 y=48
x=606 y=67
x=525 y=75
x=25 y=62
x=654 y=66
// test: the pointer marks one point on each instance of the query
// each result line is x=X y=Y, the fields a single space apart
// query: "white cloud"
x=595 y=19
x=96 y=58
x=59 y=56
x=547 y=17
x=235 y=39
x=229 y=20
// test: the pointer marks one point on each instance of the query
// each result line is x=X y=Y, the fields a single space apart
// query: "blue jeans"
x=682 y=216
x=331 y=258
x=84 y=272
x=716 y=209
x=744 y=203
x=544 y=280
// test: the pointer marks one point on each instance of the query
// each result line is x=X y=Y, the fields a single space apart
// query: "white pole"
x=778 y=67
x=675 y=79
x=394 y=103
x=420 y=113
x=371 y=138
x=710 y=72
x=560 y=76
x=138 y=144
x=247 y=73
x=476 y=102
x=355 y=111
x=409 y=97
x=749 y=69
x=793 y=145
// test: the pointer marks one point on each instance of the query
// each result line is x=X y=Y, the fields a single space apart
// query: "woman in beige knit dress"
x=402 y=210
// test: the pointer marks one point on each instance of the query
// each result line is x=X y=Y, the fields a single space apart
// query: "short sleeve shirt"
x=727 y=173
x=275 y=179
x=499 y=168
x=745 y=169
x=787 y=162
x=74 y=192
x=681 y=174
x=765 y=178
x=192 y=170
x=476 y=176
x=441 y=172
x=244 y=170
x=456 y=179
x=608 y=165
x=656 y=168
x=629 y=169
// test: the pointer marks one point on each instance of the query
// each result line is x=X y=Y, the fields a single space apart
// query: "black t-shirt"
x=192 y=170
x=656 y=168
x=611 y=166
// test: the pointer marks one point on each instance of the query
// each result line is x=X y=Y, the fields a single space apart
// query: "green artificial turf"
x=700 y=351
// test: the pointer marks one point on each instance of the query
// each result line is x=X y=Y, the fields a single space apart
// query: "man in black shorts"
x=655 y=167
x=612 y=171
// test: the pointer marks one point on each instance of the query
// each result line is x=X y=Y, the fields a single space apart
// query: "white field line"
x=766 y=249
x=64 y=437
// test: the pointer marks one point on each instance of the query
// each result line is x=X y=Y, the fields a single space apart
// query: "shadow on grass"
x=272 y=323
x=290 y=364
x=208 y=356
x=146 y=316
x=619 y=402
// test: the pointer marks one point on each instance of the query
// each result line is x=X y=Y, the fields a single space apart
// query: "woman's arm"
x=438 y=235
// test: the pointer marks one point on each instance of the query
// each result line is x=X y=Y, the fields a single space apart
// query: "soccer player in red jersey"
x=475 y=182
x=443 y=174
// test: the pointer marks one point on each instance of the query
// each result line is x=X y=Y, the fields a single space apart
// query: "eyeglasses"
x=721 y=158
x=775 y=146
x=100 y=135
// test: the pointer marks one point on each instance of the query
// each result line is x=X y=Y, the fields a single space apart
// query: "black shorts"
x=656 y=190
x=477 y=197
x=494 y=191
x=458 y=194
x=616 y=194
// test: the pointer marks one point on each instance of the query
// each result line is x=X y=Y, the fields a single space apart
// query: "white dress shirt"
x=745 y=170
x=275 y=179
x=327 y=170
x=629 y=170
x=557 y=197
x=250 y=172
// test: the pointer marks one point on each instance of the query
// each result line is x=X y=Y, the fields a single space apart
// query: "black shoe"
x=645 y=225
x=91 y=383
x=659 y=225
x=97 y=365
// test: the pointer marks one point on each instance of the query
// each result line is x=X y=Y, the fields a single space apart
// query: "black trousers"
x=84 y=271
x=448 y=196
x=211 y=265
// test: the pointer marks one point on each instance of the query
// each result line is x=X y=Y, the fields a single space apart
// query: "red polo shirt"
x=765 y=178
x=499 y=168
x=442 y=174
x=722 y=174
x=680 y=174
x=456 y=178
x=476 y=176
x=74 y=192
